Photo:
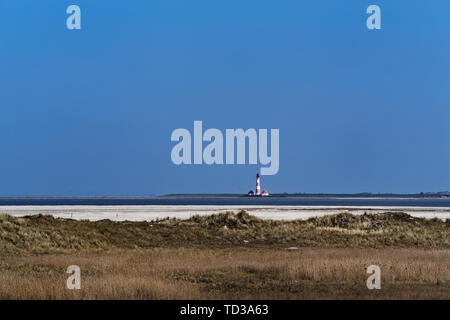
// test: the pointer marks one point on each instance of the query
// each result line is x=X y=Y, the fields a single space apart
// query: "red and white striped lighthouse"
x=258 y=187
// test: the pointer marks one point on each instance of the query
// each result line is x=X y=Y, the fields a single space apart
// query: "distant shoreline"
x=233 y=200
x=362 y=196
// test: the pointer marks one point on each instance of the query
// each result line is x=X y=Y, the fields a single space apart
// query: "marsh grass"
x=226 y=256
x=238 y=273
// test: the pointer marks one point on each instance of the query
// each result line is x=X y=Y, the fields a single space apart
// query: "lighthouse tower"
x=258 y=186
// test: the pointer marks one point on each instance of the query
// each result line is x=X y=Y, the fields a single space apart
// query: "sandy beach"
x=152 y=212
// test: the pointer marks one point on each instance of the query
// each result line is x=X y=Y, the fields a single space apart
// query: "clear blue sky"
x=90 y=111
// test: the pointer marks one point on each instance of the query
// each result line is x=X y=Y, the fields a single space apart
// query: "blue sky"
x=91 y=111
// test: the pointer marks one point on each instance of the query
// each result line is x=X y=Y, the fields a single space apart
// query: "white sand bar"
x=152 y=212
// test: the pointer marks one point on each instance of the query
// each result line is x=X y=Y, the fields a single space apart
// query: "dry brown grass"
x=226 y=256
x=237 y=273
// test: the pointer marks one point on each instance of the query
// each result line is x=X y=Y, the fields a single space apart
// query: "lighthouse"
x=258 y=192
x=258 y=186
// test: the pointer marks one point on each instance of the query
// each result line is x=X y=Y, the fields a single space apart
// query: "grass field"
x=226 y=256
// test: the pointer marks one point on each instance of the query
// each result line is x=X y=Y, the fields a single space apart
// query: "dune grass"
x=226 y=256
x=44 y=234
